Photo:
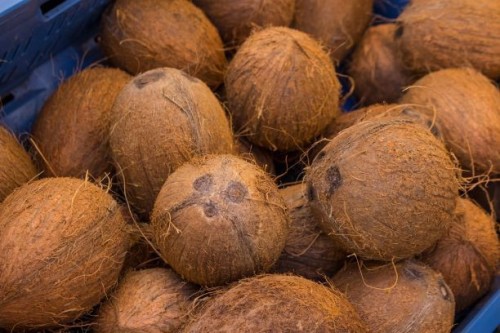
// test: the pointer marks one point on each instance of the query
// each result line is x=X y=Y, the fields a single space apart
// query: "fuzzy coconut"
x=281 y=89
x=308 y=252
x=378 y=73
x=71 y=133
x=162 y=119
x=394 y=298
x=384 y=189
x=62 y=245
x=467 y=107
x=445 y=34
x=278 y=303
x=218 y=219
x=255 y=154
x=338 y=24
x=236 y=19
x=16 y=167
x=152 y=300
x=467 y=256
x=141 y=35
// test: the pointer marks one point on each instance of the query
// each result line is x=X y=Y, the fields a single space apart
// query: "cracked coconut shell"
x=383 y=189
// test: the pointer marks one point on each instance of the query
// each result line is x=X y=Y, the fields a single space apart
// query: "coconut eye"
x=236 y=192
x=203 y=183
x=333 y=178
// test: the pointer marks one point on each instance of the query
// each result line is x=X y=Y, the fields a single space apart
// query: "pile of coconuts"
x=206 y=177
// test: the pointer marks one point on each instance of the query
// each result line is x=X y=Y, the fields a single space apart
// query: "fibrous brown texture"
x=255 y=154
x=281 y=89
x=278 y=303
x=72 y=131
x=377 y=70
x=162 y=119
x=149 y=301
x=401 y=298
x=62 y=245
x=338 y=24
x=467 y=108
x=308 y=252
x=383 y=189
x=218 y=219
x=444 y=34
x=467 y=256
x=16 y=167
x=236 y=19
x=141 y=35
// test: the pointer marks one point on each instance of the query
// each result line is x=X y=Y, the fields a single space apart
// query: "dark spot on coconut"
x=445 y=290
x=311 y=193
x=413 y=273
x=236 y=192
x=210 y=209
x=320 y=155
x=147 y=78
x=433 y=128
x=333 y=178
x=203 y=183
x=189 y=77
x=399 y=31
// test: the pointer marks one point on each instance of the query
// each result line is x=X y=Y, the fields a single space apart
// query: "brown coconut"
x=71 y=133
x=16 y=167
x=278 y=303
x=383 y=189
x=281 y=89
x=255 y=154
x=141 y=35
x=467 y=107
x=467 y=256
x=62 y=245
x=152 y=300
x=444 y=34
x=218 y=219
x=405 y=297
x=308 y=252
x=338 y=24
x=162 y=119
x=378 y=72
x=236 y=19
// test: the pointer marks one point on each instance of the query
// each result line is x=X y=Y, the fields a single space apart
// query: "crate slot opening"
x=47 y=6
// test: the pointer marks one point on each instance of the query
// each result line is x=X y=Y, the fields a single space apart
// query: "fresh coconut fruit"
x=162 y=119
x=384 y=189
x=62 y=245
x=141 y=35
x=338 y=24
x=235 y=20
x=16 y=167
x=467 y=256
x=378 y=72
x=308 y=252
x=218 y=219
x=277 y=303
x=153 y=300
x=403 y=297
x=71 y=133
x=444 y=34
x=467 y=107
x=281 y=89
x=255 y=154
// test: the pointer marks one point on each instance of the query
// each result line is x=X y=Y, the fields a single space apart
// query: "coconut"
x=378 y=73
x=16 y=167
x=383 y=189
x=255 y=154
x=62 y=245
x=71 y=133
x=467 y=256
x=338 y=24
x=278 y=303
x=467 y=107
x=308 y=252
x=403 y=297
x=162 y=119
x=152 y=300
x=236 y=19
x=445 y=34
x=141 y=35
x=281 y=89
x=218 y=219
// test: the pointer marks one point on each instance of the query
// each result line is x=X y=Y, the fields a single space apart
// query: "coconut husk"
x=272 y=97
x=138 y=36
x=218 y=218
x=383 y=189
x=254 y=154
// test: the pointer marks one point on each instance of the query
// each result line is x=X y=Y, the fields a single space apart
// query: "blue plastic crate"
x=389 y=9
